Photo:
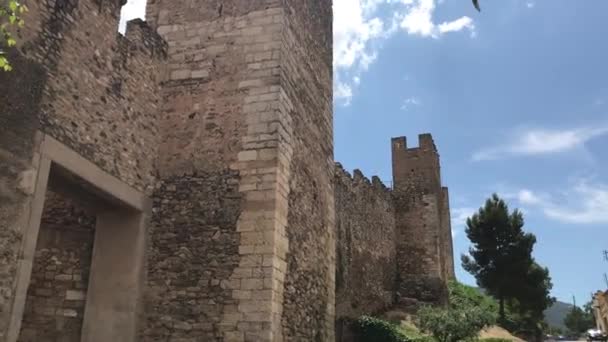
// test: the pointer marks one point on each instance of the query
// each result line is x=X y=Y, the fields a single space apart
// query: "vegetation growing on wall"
x=10 y=16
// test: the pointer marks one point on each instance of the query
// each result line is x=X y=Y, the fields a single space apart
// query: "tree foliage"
x=10 y=16
x=476 y=4
x=579 y=320
x=502 y=263
x=500 y=256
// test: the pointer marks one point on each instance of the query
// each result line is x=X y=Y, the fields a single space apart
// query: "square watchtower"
x=424 y=240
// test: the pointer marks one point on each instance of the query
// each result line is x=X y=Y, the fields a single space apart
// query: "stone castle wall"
x=240 y=108
x=220 y=100
x=447 y=247
x=221 y=112
x=79 y=82
x=393 y=246
x=422 y=219
x=306 y=87
x=366 y=265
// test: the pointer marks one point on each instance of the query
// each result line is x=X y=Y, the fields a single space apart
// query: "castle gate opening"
x=82 y=268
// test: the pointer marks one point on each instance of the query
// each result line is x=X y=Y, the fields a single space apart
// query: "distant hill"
x=554 y=316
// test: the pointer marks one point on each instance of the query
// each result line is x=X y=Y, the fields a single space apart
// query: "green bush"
x=469 y=311
x=413 y=333
x=467 y=296
x=370 y=329
x=494 y=340
x=454 y=324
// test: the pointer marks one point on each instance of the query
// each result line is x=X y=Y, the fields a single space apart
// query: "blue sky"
x=516 y=98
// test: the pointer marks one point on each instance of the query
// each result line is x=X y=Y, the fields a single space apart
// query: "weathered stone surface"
x=221 y=112
x=56 y=295
x=192 y=253
x=421 y=223
x=309 y=288
x=366 y=265
x=76 y=80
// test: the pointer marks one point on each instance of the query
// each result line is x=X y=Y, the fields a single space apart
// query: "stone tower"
x=422 y=220
x=246 y=154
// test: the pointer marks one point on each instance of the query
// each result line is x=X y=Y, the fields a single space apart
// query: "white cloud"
x=528 y=197
x=542 y=141
x=457 y=25
x=355 y=26
x=131 y=10
x=419 y=20
x=359 y=29
x=410 y=102
x=582 y=203
x=343 y=92
x=530 y=4
x=459 y=218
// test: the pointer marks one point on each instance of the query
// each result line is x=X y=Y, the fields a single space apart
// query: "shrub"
x=469 y=312
x=467 y=296
x=493 y=339
x=413 y=334
x=370 y=329
x=454 y=324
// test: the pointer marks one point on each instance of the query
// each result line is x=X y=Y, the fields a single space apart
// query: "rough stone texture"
x=365 y=249
x=447 y=249
x=419 y=204
x=226 y=122
x=193 y=251
x=56 y=296
x=306 y=79
x=102 y=98
x=221 y=120
x=76 y=80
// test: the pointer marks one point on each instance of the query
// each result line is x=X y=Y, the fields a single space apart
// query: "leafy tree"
x=534 y=296
x=10 y=15
x=579 y=320
x=501 y=255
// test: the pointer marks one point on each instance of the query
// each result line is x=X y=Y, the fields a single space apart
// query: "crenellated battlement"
x=357 y=178
x=140 y=37
x=423 y=221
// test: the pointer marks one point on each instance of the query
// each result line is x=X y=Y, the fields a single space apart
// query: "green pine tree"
x=501 y=253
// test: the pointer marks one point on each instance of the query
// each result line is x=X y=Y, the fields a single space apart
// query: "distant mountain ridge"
x=554 y=315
